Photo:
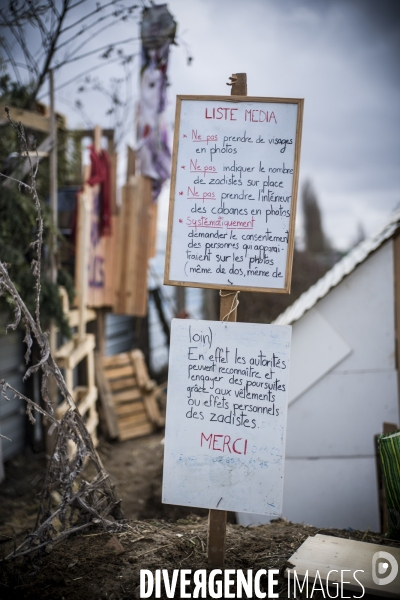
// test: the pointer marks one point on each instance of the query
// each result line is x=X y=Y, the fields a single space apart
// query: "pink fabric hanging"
x=100 y=174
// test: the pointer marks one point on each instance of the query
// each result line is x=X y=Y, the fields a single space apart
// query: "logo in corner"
x=384 y=568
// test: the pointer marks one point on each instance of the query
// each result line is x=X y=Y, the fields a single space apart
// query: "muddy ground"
x=101 y=565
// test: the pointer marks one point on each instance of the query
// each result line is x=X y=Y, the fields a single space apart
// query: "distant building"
x=343 y=386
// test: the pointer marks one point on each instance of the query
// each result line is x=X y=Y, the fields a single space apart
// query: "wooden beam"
x=29 y=119
x=228 y=312
x=106 y=400
x=97 y=135
x=108 y=133
x=131 y=163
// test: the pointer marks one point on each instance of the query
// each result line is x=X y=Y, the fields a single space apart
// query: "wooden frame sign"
x=233 y=192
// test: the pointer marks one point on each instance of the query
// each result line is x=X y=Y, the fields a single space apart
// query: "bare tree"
x=65 y=31
x=90 y=502
x=51 y=34
x=315 y=239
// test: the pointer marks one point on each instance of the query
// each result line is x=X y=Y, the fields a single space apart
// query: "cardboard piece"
x=377 y=566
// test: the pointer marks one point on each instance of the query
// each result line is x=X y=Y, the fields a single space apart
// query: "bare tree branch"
x=8 y=50
x=94 y=12
x=51 y=50
x=59 y=65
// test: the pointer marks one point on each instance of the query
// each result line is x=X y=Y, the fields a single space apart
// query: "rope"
x=235 y=303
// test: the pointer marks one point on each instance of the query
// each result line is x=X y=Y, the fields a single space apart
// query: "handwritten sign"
x=233 y=192
x=226 y=416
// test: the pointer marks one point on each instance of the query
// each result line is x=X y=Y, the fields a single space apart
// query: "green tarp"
x=389 y=450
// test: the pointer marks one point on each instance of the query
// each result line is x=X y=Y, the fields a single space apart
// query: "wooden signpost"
x=231 y=227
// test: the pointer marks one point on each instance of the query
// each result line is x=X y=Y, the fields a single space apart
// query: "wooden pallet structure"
x=131 y=395
x=80 y=348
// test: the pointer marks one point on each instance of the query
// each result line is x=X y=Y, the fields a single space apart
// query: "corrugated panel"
x=12 y=419
x=120 y=334
x=159 y=349
x=338 y=272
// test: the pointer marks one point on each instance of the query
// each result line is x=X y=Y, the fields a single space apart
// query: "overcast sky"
x=341 y=56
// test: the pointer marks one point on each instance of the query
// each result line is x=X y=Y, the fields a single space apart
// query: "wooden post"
x=228 y=312
x=54 y=210
x=82 y=250
x=53 y=390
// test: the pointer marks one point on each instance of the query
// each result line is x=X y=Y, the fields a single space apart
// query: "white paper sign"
x=226 y=416
x=233 y=193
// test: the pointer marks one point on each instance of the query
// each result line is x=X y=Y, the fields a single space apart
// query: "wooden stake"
x=83 y=251
x=53 y=390
x=228 y=312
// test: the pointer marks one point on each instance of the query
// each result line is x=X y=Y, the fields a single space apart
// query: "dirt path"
x=100 y=565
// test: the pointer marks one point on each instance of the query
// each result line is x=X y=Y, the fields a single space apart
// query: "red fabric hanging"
x=100 y=173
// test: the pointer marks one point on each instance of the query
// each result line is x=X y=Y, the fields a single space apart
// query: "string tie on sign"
x=234 y=305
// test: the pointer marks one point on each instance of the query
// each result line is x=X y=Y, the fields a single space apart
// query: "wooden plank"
x=88 y=400
x=65 y=350
x=78 y=392
x=97 y=135
x=117 y=360
x=69 y=379
x=83 y=397
x=130 y=409
x=138 y=431
x=152 y=409
x=91 y=424
x=122 y=384
x=127 y=395
x=129 y=241
x=132 y=422
x=133 y=266
x=82 y=256
x=81 y=350
x=90 y=376
x=29 y=119
x=140 y=367
x=327 y=554
x=42 y=151
x=106 y=400
x=73 y=316
x=110 y=244
x=138 y=418
x=118 y=372
x=152 y=240
x=131 y=163
x=113 y=183
x=138 y=305
x=127 y=196
x=132 y=250
x=61 y=409
x=228 y=311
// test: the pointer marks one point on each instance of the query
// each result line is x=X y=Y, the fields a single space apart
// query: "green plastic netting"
x=389 y=450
